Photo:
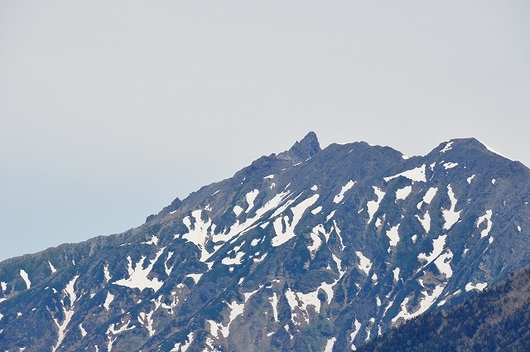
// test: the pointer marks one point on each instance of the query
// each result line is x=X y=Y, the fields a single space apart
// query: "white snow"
x=314 y=188
x=393 y=235
x=255 y=242
x=470 y=178
x=268 y=177
x=251 y=197
x=365 y=264
x=233 y=261
x=69 y=291
x=3 y=285
x=493 y=181
x=425 y=221
x=353 y=335
x=195 y=277
x=184 y=347
x=479 y=286
x=240 y=228
x=426 y=302
x=52 y=268
x=339 y=197
x=108 y=301
x=316 y=210
x=83 y=331
x=429 y=195
x=338 y=232
x=373 y=205
x=329 y=344
x=449 y=165
x=166 y=268
x=447 y=147
x=106 y=272
x=153 y=241
x=112 y=331
x=396 y=274
x=274 y=303
x=403 y=193
x=450 y=215
x=299 y=302
x=237 y=210
x=487 y=218
x=438 y=247
x=138 y=275
x=330 y=215
x=298 y=210
x=443 y=263
x=414 y=238
x=25 y=277
x=198 y=231
x=146 y=319
x=415 y=175
x=317 y=241
x=519 y=228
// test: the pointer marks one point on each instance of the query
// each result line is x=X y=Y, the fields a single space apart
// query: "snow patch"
x=339 y=197
x=479 y=286
x=426 y=302
x=447 y=147
x=393 y=235
x=438 y=247
x=450 y=215
x=233 y=261
x=373 y=205
x=195 y=277
x=425 y=221
x=299 y=303
x=470 y=178
x=198 y=231
x=178 y=348
x=138 y=275
x=25 y=277
x=449 y=165
x=52 y=268
x=403 y=193
x=357 y=327
x=415 y=175
x=329 y=344
x=251 y=197
x=274 y=303
x=285 y=230
x=365 y=264
x=316 y=210
x=237 y=210
x=485 y=218
x=396 y=274
x=108 y=301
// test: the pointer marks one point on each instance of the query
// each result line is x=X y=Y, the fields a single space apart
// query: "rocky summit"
x=307 y=250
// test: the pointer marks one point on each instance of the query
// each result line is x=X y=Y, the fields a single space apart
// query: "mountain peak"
x=466 y=143
x=303 y=149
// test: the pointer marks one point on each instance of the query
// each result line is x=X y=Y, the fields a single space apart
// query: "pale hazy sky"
x=111 y=109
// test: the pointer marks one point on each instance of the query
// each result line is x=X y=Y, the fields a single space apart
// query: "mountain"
x=307 y=250
x=494 y=320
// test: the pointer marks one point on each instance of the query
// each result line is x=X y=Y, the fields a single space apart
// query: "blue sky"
x=111 y=110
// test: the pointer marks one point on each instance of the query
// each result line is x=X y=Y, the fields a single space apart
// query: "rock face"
x=307 y=250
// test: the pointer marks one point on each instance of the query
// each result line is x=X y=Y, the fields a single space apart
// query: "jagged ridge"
x=309 y=249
